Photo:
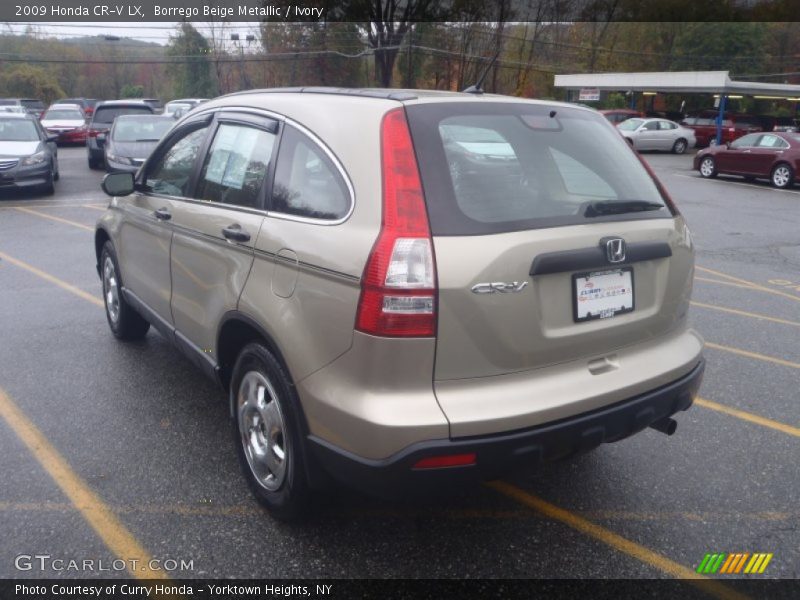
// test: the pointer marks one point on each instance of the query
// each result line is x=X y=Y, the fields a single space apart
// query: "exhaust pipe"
x=666 y=425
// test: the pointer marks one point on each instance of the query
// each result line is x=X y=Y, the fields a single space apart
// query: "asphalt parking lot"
x=113 y=451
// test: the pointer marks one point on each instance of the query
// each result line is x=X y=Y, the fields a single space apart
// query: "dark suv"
x=103 y=118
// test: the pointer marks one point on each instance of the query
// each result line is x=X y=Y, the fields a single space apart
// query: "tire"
x=268 y=434
x=49 y=188
x=57 y=174
x=708 y=167
x=680 y=146
x=125 y=323
x=782 y=176
x=94 y=163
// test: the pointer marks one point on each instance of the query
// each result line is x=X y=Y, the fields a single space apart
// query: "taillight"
x=398 y=289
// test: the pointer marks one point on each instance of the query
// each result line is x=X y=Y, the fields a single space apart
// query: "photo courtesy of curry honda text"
x=430 y=288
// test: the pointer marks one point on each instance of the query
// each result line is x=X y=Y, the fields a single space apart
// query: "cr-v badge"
x=499 y=286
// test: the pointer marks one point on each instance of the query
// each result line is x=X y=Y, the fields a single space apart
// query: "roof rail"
x=386 y=94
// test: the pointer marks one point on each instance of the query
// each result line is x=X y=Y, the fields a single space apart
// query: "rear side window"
x=107 y=114
x=307 y=183
x=500 y=167
x=236 y=166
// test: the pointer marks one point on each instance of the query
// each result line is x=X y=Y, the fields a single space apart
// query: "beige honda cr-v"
x=402 y=288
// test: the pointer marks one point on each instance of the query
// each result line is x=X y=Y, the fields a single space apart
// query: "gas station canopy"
x=668 y=82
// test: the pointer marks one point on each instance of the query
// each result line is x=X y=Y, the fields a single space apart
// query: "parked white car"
x=657 y=134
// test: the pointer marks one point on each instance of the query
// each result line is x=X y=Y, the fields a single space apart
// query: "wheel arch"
x=101 y=236
x=235 y=331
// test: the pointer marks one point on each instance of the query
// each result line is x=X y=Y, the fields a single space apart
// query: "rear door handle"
x=162 y=214
x=235 y=233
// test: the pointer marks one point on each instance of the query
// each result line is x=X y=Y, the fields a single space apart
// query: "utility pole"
x=244 y=80
x=408 y=56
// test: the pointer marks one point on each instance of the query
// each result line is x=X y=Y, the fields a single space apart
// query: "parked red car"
x=618 y=115
x=734 y=126
x=774 y=156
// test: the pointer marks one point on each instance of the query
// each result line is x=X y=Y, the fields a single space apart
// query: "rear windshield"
x=32 y=104
x=141 y=129
x=107 y=114
x=501 y=167
x=63 y=113
x=8 y=103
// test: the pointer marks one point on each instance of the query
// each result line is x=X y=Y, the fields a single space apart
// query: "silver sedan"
x=657 y=134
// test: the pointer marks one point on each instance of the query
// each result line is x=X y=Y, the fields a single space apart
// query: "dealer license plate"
x=602 y=294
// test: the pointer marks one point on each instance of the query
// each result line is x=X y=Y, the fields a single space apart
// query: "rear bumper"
x=499 y=454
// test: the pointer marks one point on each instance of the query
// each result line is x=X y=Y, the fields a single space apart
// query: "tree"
x=385 y=24
x=28 y=81
x=192 y=68
x=130 y=90
x=737 y=47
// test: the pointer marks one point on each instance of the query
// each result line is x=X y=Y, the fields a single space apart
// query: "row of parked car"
x=119 y=135
x=746 y=150
x=704 y=123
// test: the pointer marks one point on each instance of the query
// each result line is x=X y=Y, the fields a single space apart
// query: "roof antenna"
x=478 y=87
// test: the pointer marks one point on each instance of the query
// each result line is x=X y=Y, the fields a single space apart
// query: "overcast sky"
x=157 y=33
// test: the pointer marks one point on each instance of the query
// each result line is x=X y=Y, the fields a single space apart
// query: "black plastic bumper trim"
x=585 y=259
x=500 y=454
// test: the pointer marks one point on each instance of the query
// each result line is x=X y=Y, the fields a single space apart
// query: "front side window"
x=630 y=124
x=236 y=165
x=307 y=183
x=172 y=171
x=746 y=141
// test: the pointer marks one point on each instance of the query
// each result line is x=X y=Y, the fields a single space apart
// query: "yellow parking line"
x=52 y=279
x=746 y=416
x=52 y=218
x=747 y=283
x=110 y=529
x=744 y=313
x=616 y=541
x=730 y=283
x=754 y=355
x=101 y=207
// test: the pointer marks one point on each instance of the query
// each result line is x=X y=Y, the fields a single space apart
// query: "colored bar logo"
x=734 y=564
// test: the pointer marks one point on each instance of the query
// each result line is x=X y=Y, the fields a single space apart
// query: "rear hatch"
x=104 y=116
x=530 y=206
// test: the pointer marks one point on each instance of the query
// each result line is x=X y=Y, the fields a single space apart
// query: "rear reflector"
x=398 y=289
x=449 y=460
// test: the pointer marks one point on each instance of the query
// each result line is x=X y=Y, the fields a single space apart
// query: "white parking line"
x=732 y=182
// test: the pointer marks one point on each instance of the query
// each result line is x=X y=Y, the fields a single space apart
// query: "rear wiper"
x=618 y=207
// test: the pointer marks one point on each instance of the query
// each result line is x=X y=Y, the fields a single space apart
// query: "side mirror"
x=118 y=184
x=51 y=138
